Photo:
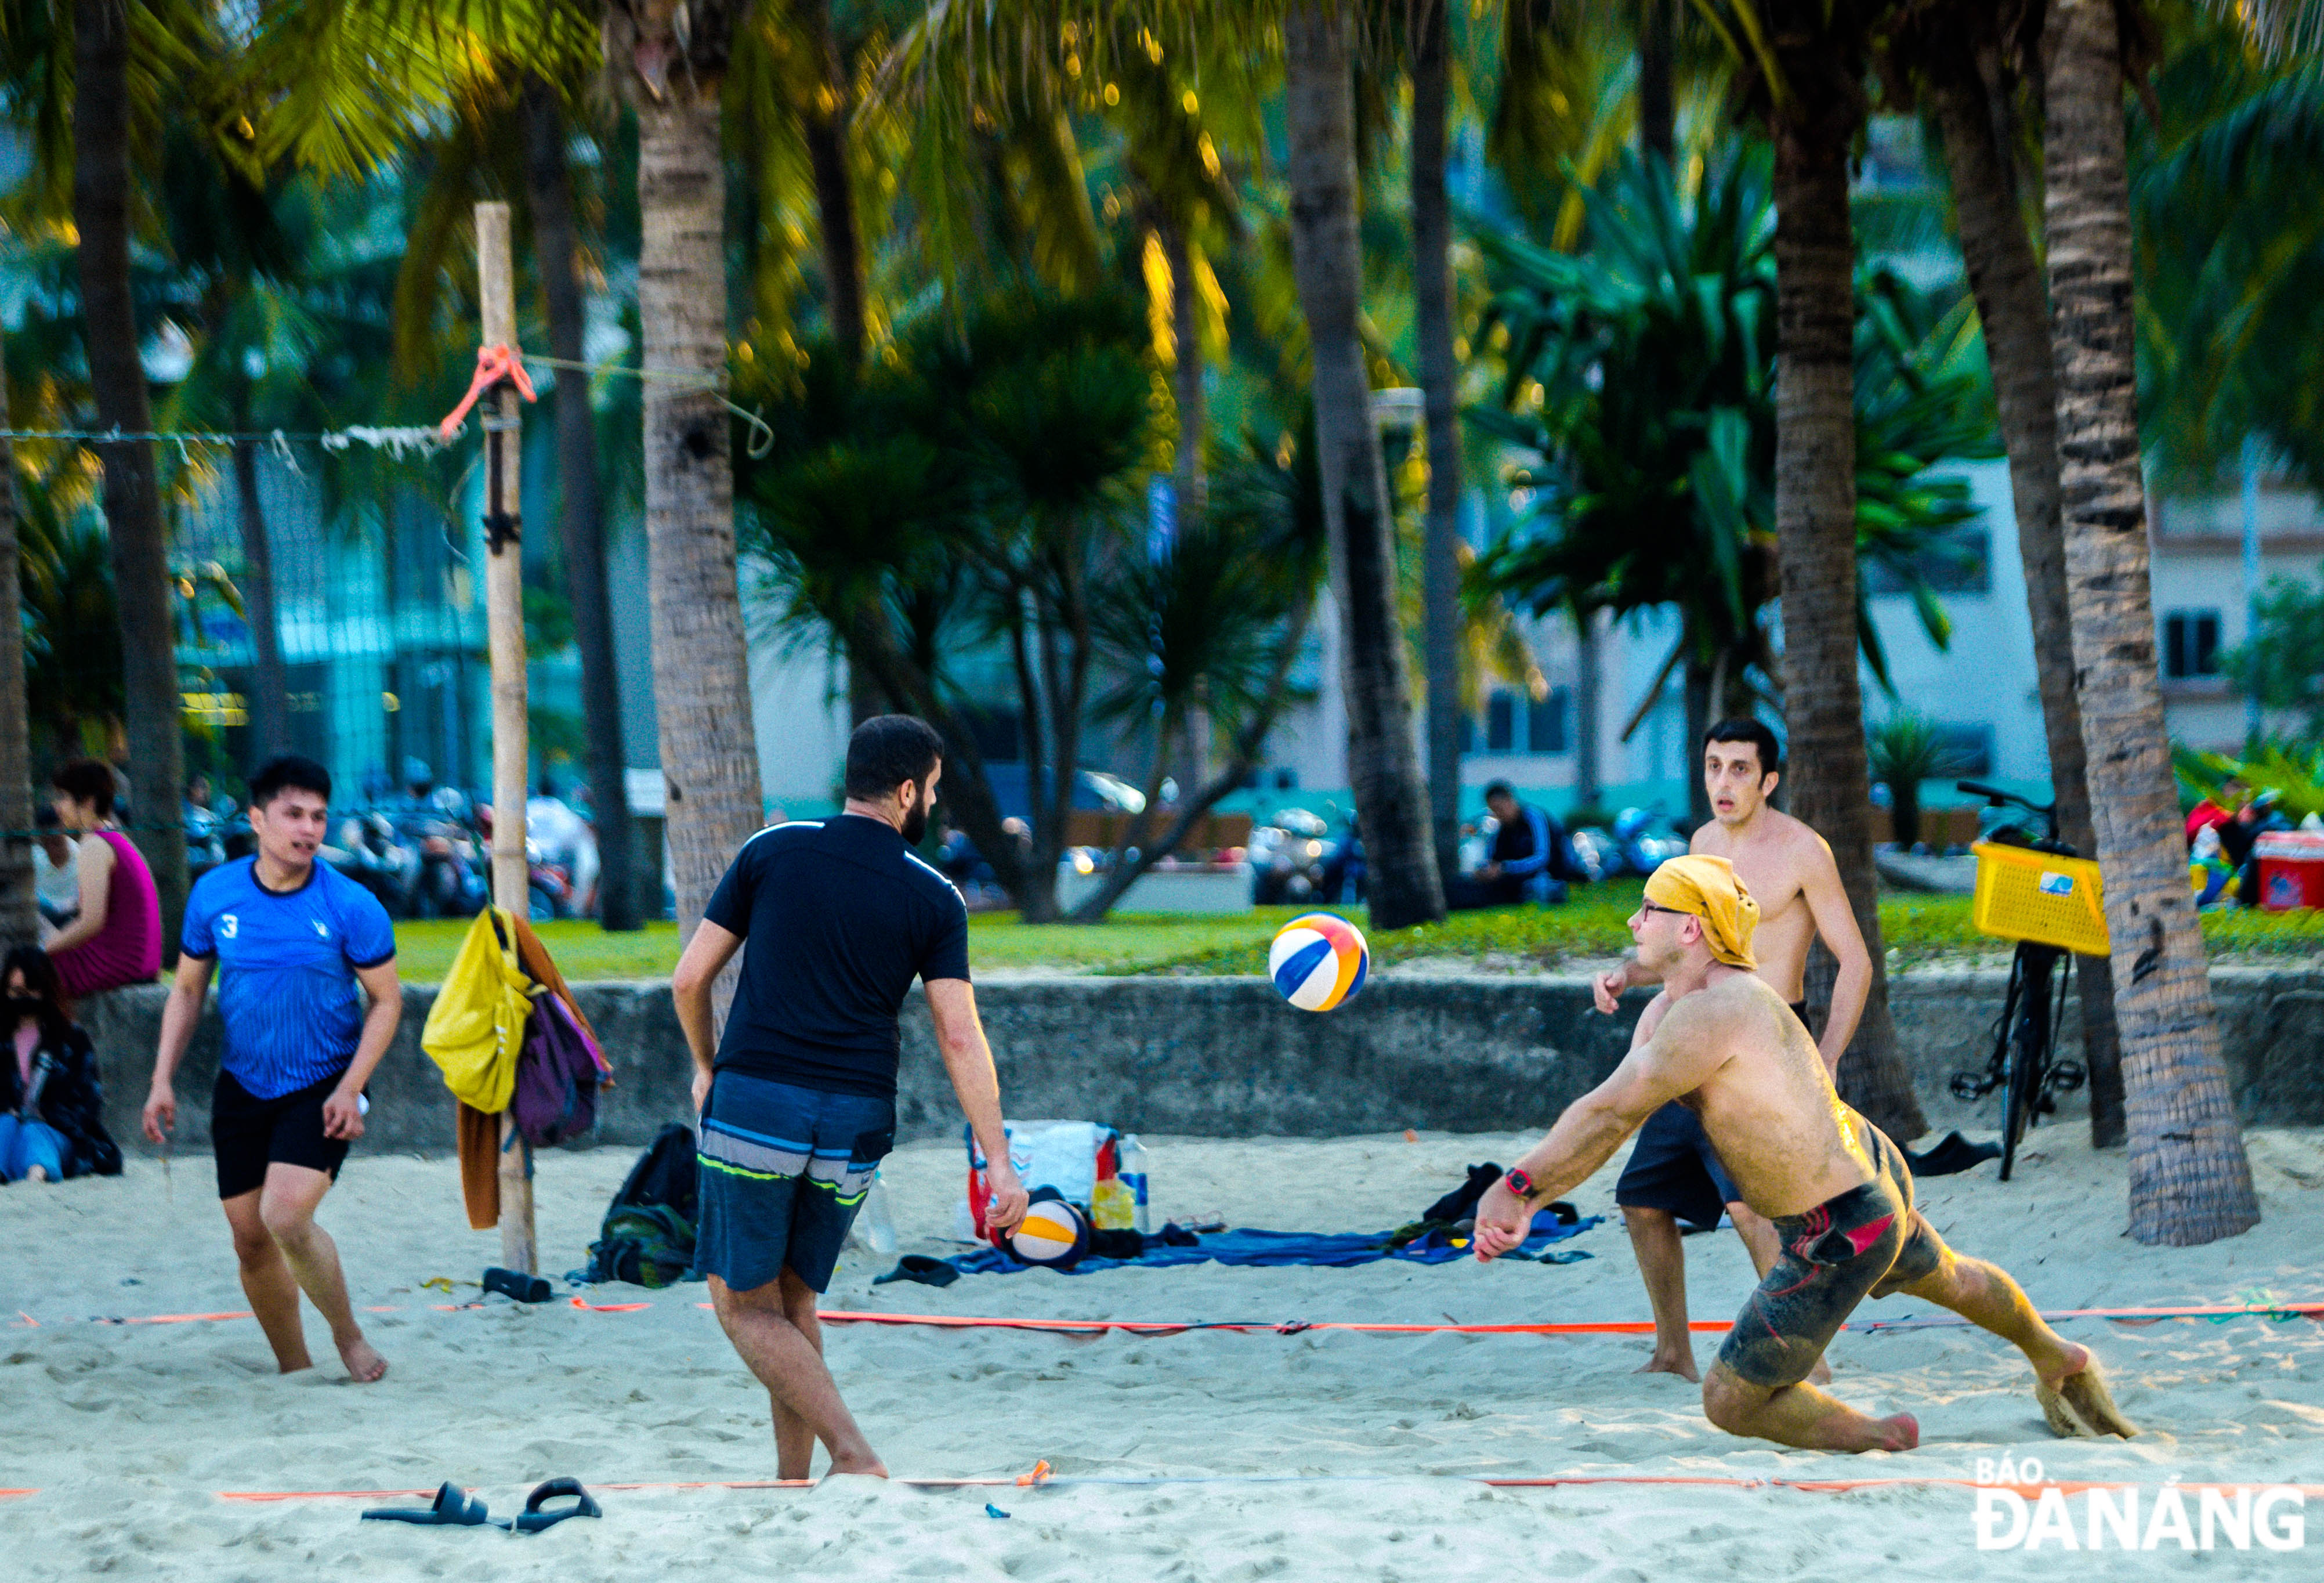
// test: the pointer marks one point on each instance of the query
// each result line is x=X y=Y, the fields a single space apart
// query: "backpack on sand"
x=647 y=1238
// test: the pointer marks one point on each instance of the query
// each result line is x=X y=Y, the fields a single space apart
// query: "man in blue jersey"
x=835 y=919
x=293 y=937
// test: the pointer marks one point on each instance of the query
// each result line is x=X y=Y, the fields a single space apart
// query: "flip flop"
x=532 y=1519
x=454 y=1508
x=921 y=1268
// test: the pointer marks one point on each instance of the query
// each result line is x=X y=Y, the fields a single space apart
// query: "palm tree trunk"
x=133 y=497
x=1657 y=99
x=1815 y=526
x=19 y=905
x=826 y=125
x=1440 y=374
x=1383 y=766
x=701 y=659
x=2190 y=1181
x=2006 y=279
x=1698 y=721
x=1189 y=481
x=270 y=694
x=1589 y=686
x=580 y=514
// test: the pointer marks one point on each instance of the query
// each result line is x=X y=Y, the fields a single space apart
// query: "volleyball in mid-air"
x=1318 y=962
x=1053 y=1232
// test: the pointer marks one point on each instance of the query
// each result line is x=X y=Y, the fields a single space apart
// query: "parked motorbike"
x=1631 y=845
x=454 y=874
x=370 y=851
x=1289 y=858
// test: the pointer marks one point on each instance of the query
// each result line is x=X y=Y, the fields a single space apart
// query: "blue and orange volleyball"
x=1318 y=962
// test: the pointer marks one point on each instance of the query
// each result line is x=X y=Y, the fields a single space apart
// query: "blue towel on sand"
x=1338 y=1251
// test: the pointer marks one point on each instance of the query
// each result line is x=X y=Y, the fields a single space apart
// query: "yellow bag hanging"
x=477 y=1023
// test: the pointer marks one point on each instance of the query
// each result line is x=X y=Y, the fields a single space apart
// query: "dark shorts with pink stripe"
x=1867 y=1242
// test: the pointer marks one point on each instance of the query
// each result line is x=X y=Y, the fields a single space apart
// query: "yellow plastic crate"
x=2053 y=900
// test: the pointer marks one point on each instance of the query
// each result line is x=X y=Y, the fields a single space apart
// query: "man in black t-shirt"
x=835 y=919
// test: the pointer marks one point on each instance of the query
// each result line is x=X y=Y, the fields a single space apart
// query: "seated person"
x=1531 y=858
x=51 y=1108
x=2240 y=835
x=55 y=878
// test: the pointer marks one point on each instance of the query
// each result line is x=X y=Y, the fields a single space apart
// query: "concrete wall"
x=1224 y=1057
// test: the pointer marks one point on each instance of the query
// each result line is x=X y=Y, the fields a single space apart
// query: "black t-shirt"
x=837 y=919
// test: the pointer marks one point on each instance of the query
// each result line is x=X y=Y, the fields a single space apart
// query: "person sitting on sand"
x=294 y=939
x=1839 y=1192
x=52 y=1109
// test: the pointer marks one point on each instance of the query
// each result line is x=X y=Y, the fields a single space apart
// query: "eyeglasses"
x=1673 y=912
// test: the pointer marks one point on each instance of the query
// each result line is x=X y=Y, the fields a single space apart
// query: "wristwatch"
x=1520 y=1181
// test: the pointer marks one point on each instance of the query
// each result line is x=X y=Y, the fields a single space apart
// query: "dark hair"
x=889 y=750
x=1755 y=732
x=1500 y=789
x=87 y=780
x=41 y=978
x=45 y=819
x=284 y=773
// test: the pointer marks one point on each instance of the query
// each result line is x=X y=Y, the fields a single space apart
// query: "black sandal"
x=532 y=1519
x=454 y=1508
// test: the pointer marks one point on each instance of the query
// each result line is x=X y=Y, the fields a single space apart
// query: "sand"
x=129 y=1431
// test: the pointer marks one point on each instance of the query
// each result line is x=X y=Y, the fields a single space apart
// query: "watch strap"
x=1520 y=1182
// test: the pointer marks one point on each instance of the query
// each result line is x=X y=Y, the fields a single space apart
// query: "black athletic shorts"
x=247 y=1134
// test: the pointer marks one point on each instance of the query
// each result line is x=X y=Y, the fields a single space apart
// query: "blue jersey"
x=286 y=963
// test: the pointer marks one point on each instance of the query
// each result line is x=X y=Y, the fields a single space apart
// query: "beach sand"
x=129 y=1431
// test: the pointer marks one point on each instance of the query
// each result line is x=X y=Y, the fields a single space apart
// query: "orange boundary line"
x=1041 y=1477
x=2312 y=1310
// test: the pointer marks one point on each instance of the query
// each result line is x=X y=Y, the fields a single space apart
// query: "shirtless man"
x=1673 y=1172
x=1837 y=1191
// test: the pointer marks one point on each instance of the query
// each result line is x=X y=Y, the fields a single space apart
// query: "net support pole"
x=504 y=624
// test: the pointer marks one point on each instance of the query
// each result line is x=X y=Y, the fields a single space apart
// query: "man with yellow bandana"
x=1786 y=869
x=1836 y=1192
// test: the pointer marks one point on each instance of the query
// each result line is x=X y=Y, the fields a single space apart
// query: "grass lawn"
x=1918 y=929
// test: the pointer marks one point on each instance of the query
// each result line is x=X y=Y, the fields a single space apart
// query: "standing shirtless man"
x=1838 y=1194
x=1673 y=1172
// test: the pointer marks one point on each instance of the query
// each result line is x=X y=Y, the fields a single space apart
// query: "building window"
x=1500 y=721
x=2190 y=643
x=1546 y=722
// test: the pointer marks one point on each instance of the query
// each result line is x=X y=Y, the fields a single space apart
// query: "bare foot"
x=364 y=1363
x=1904 y=1434
x=1662 y=1362
x=37 y=1173
x=2076 y=1403
x=874 y=1468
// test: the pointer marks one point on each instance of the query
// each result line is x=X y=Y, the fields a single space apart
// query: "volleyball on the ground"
x=1318 y=962
x=1053 y=1232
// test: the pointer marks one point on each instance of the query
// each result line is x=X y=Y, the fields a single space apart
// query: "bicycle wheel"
x=2029 y=1052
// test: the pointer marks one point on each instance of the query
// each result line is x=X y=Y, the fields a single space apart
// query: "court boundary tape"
x=2217 y=1314
x=1042 y=1477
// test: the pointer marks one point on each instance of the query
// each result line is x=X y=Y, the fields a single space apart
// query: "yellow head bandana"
x=1707 y=887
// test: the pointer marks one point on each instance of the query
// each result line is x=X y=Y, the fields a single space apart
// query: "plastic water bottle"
x=1133 y=1177
x=879 y=1226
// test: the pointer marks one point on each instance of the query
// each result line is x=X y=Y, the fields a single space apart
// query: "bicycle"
x=2052 y=911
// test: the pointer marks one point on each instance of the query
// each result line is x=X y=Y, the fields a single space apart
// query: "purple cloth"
x=128 y=949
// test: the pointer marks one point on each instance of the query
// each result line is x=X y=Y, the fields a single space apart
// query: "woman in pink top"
x=117 y=938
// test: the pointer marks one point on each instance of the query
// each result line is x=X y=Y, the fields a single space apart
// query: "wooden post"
x=504 y=622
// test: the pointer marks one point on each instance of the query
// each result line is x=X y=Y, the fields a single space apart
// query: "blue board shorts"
x=783 y=1171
